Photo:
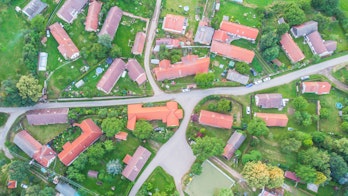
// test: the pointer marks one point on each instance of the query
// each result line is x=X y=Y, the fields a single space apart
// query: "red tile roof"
x=65 y=45
x=45 y=156
x=273 y=120
x=111 y=76
x=12 y=184
x=136 y=163
x=126 y=159
x=135 y=71
x=139 y=43
x=189 y=65
x=68 y=12
x=232 y=52
x=291 y=48
x=239 y=30
x=215 y=119
x=318 y=88
x=111 y=22
x=47 y=116
x=221 y=36
x=175 y=43
x=174 y=23
x=90 y=133
x=292 y=176
x=91 y=23
x=121 y=135
x=169 y=114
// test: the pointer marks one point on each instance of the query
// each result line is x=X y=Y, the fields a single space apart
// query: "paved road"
x=328 y=73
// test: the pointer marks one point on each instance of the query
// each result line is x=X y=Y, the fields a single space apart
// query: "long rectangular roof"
x=139 y=43
x=269 y=100
x=92 y=18
x=111 y=22
x=273 y=120
x=135 y=71
x=48 y=116
x=33 y=8
x=316 y=87
x=237 y=77
x=68 y=12
x=136 y=163
x=233 y=144
x=239 y=30
x=215 y=119
x=292 y=50
x=305 y=28
x=174 y=23
x=232 y=52
x=317 y=42
x=111 y=76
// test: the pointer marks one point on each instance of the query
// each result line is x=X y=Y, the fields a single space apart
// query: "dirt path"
x=339 y=84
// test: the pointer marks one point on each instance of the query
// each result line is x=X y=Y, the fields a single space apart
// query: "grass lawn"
x=343 y=5
x=341 y=74
x=335 y=32
x=142 y=8
x=3 y=118
x=160 y=182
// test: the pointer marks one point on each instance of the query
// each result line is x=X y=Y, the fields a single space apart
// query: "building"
x=273 y=120
x=168 y=42
x=111 y=76
x=111 y=22
x=92 y=18
x=71 y=150
x=215 y=119
x=42 y=64
x=222 y=36
x=40 y=153
x=232 y=52
x=66 y=190
x=135 y=163
x=12 y=184
x=233 y=75
x=189 y=65
x=319 y=88
x=239 y=31
x=204 y=35
x=292 y=176
x=48 y=116
x=235 y=141
x=304 y=29
x=66 y=46
x=270 y=100
x=169 y=114
x=70 y=9
x=121 y=136
x=318 y=46
x=135 y=71
x=291 y=49
x=33 y=8
x=139 y=43
x=175 y=24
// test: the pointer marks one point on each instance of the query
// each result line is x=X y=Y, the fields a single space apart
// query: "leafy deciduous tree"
x=29 y=87
x=143 y=129
x=256 y=174
x=204 y=80
x=257 y=127
x=207 y=147
x=306 y=173
x=242 y=68
x=290 y=145
x=276 y=177
x=300 y=103
x=111 y=126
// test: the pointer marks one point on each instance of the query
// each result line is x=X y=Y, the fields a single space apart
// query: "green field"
x=343 y=5
x=158 y=182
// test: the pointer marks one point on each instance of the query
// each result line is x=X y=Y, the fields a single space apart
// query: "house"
x=291 y=49
x=270 y=100
x=48 y=116
x=70 y=9
x=33 y=8
x=292 y=176
x=168 y=42
x=92 y=18
x=239 y=31
x=318 y=46
x=215 y=119
x=273 y=120
x=135 y=163
x=111 y=76
x=319 y=88
x=139 y=43
x=71 y=150
x=222 y=36
x=232 y=52
x=235 y=141
x=135 y=71
x=304 y=29
x=111 y=22
x=65 y=45
x=66 y=190
x=175 y=24
x=204 y=35
x=121 y=136
x=40 y=153
x=237 y=77
x=169 y=114
x=189 y=65
x=12 y=184
x=42 y=64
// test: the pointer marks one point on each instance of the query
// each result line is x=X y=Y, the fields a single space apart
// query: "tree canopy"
x=18 y=170
x=276 y=177
x=290 y=145
x=114 y=167
x=257 y=127
x=29 y=87
x=204 y=80
x=207 y=147
x=143 y=129
x=256 y=174
x=306 y=173
x=294 y=15
x=242 y=68
x=300 y=103
x=111 y=126
x=329 y=7
x=338 y=167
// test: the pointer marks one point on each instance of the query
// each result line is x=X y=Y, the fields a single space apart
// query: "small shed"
x=92 y=174
x=121 y=136
x=42 y=61
x=312 y=187
x=12 y=184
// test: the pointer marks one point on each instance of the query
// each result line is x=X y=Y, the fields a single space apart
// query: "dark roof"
x=233 y=144
x=33 y=8
x=317 y=43
x=136 y=163
x=271 y=100
x=111 y=22
x=204 y=35
x=48 y=116
x=305 y=28
x=135 y=71
x=68 y=12
x=111 y=76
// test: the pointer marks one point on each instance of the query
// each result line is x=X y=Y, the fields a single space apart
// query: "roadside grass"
x=3 y=118
x=341 y=74
x=160 y=180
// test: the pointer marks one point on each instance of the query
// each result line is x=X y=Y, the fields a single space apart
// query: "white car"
x=257 y=82
x=266 y=79
x=248 y=110
x=184 y=90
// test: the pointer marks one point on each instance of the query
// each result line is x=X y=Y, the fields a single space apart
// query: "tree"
x=115 y=51
x=303 y=118
x=242 y=68
x=225 y=192
x=271 y=53
x=114 y=167
x=341 y=146
x=98 y=51
x=111 y=126
x=105 y=40
x=300 y=103
x=328 y=7
x=143 y=129
x=294 y=15
x=316 y=158
x=282 y=29
x=95 y=153
x=268 y=40
x=318 y=138
x=256 y=174
x=321 y=178
x=224 y=105
x=207 y=147
x=338 y=167
x=29 y=87
x=9 y=94
x=19 y=171
x=108 y=145
x=306 y=173
x=324 y=113
x=276 y=177
x=175 y=58
x=257 y=127
x=344 y=126
x=75 y=174
x=290 y=145
x=323 y=21
x=33 y=190
x=305 y=5
x=204 y=80
x=196 y=168
x=81 y=162
x=47 y=191
x=38 y=23
x=254 y=155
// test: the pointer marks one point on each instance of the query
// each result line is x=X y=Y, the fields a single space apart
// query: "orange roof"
x=90 y=133
x=126 y=159
x=190 y=65
x=239 y=30
x=273 y=120
x=121 y=135
x=12 y=184
x=232 y=52
x=139 y=43
x=220 y=36
x=169 y=114
x=91 y=23
x=215 y=119
x=291 y=48
x=174 y=23
x=318 y=88
x=45 y=156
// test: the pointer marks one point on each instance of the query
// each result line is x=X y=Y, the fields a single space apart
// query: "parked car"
x=184 y=90
x=253 y=72
x=304 y=78
x=249 y=85
x=257 y=82
x=248 y=110
x=266 y=79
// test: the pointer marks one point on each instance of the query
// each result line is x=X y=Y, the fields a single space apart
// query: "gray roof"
x=66 y=189
x=237 y=77
x=204 y=35
x=330 y=45
x=111 y=22
x=68 y=12
x=305 y=28
x=233 y=144
x=48 y=116
x=271 y=100
x=33 y=8
x=317 y=43
x=27 y=143
x=136 y=163
x=135 y=71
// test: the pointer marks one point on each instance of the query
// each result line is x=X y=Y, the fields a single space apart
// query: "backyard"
x=341 y=74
